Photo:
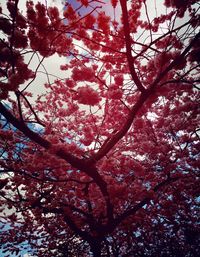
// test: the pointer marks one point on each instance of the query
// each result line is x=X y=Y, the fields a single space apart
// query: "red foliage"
x=107 y=159
x=103 y=22
x=87 y=95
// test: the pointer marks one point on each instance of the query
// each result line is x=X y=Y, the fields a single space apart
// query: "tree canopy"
x=103 y=161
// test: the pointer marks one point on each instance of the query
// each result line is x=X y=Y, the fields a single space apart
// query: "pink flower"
x=88 y=96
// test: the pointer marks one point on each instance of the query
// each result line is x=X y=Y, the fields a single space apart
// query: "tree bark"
x=95 y=247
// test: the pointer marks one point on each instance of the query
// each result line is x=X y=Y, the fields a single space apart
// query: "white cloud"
x=51 y=65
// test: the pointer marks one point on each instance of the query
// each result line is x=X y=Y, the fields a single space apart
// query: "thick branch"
x=71 y=159
x=120 y=134
x=143 y=97
x=20 y=125
x=128 y=46
x=80 y=164
x=69 y=221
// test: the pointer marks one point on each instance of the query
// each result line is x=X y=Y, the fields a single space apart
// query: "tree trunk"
x=95 y=247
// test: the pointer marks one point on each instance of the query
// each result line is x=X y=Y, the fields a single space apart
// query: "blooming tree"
x=105 y=162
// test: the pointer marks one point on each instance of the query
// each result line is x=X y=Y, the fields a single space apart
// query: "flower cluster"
x=88 y=96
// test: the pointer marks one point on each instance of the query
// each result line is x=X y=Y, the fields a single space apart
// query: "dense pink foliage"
x=106 y=161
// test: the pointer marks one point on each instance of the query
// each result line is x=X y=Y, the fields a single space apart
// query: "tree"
x=105 y=162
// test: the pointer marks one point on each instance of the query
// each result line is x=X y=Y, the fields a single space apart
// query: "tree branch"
x=84 y=165
x=175 y=62
x=128 y=47
x=112 y=141
x=141 y=204
x=120 y=134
